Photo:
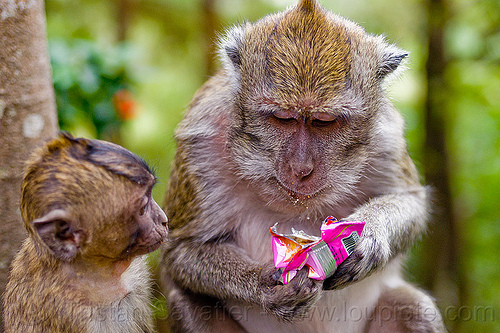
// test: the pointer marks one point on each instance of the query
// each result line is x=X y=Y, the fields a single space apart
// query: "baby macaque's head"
x=93 y=199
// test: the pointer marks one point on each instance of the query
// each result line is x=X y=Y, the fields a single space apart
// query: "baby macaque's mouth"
x=141 y=244
x=146 y=248
x=137 y=249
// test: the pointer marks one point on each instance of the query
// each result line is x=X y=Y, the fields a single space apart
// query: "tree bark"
x=28 y=113
x=442 y=268
x=124 y=16
x=209 y=26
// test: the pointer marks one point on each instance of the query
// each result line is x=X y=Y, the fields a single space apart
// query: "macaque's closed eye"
x=317 y=119
x=324 y=119
x=286 y=116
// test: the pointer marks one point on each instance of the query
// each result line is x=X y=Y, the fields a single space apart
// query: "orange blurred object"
x=125 y=105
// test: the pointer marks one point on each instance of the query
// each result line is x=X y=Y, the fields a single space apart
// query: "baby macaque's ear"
x=57 y=232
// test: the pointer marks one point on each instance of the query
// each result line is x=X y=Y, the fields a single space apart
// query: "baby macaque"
x=91 y=218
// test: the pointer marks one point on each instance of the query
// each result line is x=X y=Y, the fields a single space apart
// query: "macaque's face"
x=139 y=228
x=305 y=155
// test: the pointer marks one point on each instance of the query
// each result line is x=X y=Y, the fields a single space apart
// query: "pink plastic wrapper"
x=322 y=254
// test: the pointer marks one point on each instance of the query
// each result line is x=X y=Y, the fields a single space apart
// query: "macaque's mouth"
x=298 y=195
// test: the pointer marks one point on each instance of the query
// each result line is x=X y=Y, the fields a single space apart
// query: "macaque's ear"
x=56 y=231
x=390 y=61
x=230 y=46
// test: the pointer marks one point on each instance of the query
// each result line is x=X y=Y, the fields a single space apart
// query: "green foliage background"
x=163 y=59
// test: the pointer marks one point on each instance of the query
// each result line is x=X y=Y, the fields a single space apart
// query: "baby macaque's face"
x=134 y=224
x=145 y=228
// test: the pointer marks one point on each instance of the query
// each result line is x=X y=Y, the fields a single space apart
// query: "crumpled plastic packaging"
x=322 y=255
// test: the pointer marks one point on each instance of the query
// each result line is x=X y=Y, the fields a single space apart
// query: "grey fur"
x=226 y=188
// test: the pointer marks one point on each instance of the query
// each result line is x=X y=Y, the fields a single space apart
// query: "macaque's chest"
x=254 y=236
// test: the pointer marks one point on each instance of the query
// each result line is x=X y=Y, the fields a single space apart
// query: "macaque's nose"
x=302 y=169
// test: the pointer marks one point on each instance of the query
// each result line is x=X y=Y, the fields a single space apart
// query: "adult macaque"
x=296 y=126
x=90 y=217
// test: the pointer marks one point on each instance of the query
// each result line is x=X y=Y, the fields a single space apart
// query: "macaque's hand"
x=368 y=255
x=292 y=300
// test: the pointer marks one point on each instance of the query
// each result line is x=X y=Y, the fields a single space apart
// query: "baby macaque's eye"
x=144 y=206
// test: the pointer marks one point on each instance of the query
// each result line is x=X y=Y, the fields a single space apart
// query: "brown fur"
x=296 y=126
x=176 y=202
x=308 y=55
x=90 y=217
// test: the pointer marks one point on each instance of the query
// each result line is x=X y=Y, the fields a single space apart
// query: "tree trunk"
x=27 y=111
x=124 y=10
x=209 y=26
x=442 y=268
